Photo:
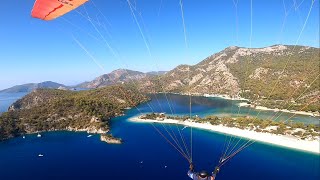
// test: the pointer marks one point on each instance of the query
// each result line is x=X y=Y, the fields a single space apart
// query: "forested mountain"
x=267 y=76
x=279 y=76
x=32 y=86
x=50 y=109
x=116 y=76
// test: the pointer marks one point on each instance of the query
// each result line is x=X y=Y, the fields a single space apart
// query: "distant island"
x=292 y=134
x=54 y=110
x=26 y=88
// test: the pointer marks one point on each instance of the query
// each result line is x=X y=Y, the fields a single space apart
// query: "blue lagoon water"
x=145 y=155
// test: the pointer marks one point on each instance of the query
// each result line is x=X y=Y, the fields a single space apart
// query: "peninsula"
x=292 y=135
x=55 y=110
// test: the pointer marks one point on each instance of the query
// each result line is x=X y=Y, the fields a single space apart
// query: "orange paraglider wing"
x=51 y=9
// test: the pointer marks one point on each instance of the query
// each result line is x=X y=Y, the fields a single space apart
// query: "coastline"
x=243 y=104
x=89 y=131
x=222 y=96
x=227 y=97
x=269 y=138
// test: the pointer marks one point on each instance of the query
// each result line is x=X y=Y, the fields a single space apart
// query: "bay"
x=146 y=155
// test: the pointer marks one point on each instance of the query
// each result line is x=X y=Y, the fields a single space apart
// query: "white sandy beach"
x=280 y=140
x=223 y=96
x=244 y=104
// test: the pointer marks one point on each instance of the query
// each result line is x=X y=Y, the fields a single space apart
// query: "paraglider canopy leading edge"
x=52 y=9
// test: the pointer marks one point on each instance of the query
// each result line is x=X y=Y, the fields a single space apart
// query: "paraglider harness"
x=202 y=174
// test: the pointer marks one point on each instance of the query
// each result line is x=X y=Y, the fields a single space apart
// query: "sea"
x=146 y=155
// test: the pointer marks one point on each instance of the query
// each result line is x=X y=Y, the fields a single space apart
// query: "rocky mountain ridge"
x=266 y=76
x=119 y=76
x=269 y=74
x=33 y=86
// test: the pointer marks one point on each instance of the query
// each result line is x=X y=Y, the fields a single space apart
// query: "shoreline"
x=222 y=96
x=269 y=138
x=245 y=104
x=227 y=97
x=263 y=108
x=67 y=129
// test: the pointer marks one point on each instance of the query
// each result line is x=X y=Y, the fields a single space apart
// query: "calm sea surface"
x=6 y=99
x=145 y=155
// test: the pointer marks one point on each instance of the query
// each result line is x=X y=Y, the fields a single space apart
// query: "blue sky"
x=34 y=51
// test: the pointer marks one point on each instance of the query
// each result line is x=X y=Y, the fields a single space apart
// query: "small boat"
x=141 y=162
x=23 y=137
x=165 y=166
x=89 y=135
x=39 y=135
x=40 y=155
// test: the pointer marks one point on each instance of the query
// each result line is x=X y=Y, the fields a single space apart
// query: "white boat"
x=23 y=137
x=39 y=135
x=40 y=155
x=89 y=135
